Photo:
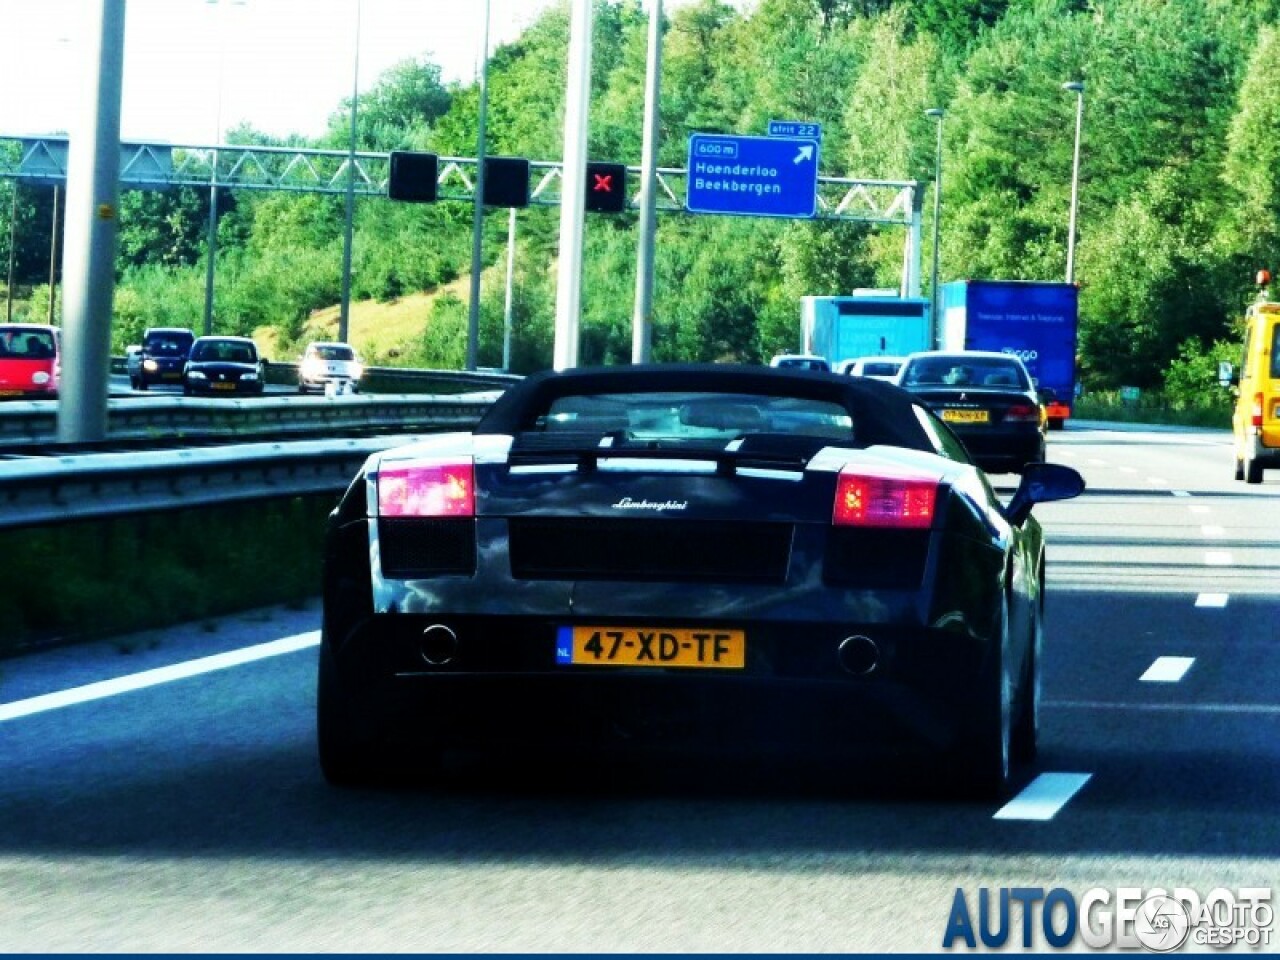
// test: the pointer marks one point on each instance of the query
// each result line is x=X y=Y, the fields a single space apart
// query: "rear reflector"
x=428 y=488
x=1256 y=419
x=905 y=501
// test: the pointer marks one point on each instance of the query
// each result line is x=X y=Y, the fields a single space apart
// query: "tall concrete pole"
x=477 y=216
x=344 y=308
x=937 y=113
x=508 y=302
x=53 y=254
x=642 y=319
x=93 y=196
x=574 y=191
x=1076 y=87
x=13 y=236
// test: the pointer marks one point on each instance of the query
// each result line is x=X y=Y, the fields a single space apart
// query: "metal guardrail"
x=28 y=423
x=43 y=490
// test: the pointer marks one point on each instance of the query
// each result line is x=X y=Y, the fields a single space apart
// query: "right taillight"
x=1022 y=413
x=869 y=498
x=1257 y=410
x=428 y=488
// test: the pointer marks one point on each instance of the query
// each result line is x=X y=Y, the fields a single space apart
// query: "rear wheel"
x=1026 y=730
x=350 y=753
x=1252 y=469
x=983 y=763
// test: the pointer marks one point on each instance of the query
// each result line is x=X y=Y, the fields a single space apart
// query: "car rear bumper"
x=503 y=685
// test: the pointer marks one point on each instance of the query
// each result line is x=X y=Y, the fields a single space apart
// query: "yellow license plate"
x=224 y=386
x=10 y=393
x=651 y=647
x=966 y=416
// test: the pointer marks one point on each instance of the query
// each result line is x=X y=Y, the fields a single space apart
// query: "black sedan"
x=735 y=557
x=988 y=399
x=222 y=366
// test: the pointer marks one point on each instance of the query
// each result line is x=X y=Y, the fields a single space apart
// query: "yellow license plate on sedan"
x=966 y=416
x=224 y=386
x=605 y=646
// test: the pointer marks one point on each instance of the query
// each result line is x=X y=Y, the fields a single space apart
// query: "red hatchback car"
x=30 y=358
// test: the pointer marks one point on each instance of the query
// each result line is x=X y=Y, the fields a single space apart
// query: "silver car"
x=326 y=366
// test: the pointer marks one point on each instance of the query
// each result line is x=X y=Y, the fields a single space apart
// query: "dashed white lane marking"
x=1157 y=481
x=1246 y=709
x=1167 y=669
x=152 y=678
x=1212 y=530
x=1043 y=797
x=1093 y=461
x=1217 y=558
x=1128 y=469
x=1181 y=493
x=1198 y=508
x=1213 y=600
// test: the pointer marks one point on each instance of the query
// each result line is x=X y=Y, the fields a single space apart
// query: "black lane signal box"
x=413 y=176
x=606 y=187
x=506 y=182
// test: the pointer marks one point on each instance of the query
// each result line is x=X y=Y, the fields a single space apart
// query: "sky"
x=194 y=68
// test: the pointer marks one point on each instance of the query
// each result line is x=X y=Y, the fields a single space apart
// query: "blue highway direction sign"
x=752 y=176
x=795 y=128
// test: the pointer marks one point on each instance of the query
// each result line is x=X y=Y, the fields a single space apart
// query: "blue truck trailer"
x=864 y=325
x=1035 y=321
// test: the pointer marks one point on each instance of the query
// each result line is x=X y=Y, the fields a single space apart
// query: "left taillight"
x=884 y=499
x=428 y=488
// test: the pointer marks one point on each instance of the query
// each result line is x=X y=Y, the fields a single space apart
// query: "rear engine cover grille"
x=427 y=546
x=710 y=551
x=884 y=559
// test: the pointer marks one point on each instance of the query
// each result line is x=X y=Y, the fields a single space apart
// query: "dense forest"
x=1180 y=175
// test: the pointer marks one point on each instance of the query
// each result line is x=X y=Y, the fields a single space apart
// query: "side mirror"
x=1227 y=375
x=1042 y=483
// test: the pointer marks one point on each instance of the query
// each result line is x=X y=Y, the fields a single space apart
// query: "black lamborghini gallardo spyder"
x=704 y=555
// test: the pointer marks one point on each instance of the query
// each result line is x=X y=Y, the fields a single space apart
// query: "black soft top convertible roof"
x=882 y=412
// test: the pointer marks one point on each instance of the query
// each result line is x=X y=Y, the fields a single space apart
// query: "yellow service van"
x=1255 y=422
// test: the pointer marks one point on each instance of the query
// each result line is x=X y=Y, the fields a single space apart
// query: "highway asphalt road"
x=189 y=815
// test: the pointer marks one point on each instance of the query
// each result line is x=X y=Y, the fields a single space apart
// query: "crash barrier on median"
x=43 y=490
x=390 y=379
x=28 y=423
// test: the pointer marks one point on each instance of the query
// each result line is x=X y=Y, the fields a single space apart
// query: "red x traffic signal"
x=606 y=187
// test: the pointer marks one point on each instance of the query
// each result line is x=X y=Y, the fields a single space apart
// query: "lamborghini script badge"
x=657 y=506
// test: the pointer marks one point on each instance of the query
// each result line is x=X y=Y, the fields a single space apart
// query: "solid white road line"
x=1043 y=797
x=1167 y=669
x=1217 y=558
x=151 y=678
x=1213 y=600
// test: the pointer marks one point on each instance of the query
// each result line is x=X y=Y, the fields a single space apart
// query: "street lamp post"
x=1076 y=87
x=937 y=113
x=344 y=307
x=211 y=227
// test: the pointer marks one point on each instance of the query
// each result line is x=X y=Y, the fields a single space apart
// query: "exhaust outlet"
x=438 y=645
x=859 y=655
